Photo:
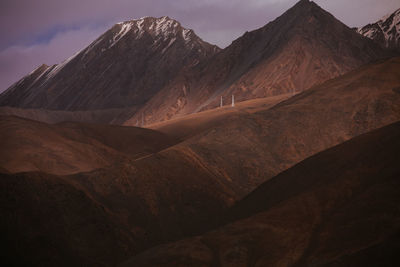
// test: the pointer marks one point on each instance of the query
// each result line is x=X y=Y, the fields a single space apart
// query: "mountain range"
x=305 y=41
x=150 y=70
x=301 y=171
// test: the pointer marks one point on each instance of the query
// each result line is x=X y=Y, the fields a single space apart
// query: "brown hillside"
x=337 y=208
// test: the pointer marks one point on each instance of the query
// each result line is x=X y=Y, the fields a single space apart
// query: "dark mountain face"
x=385 y=32
x=303 y=47
x=157 y=70
x=124 y=67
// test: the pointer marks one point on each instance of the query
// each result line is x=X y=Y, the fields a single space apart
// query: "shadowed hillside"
x=69 y=147
x=337 y=208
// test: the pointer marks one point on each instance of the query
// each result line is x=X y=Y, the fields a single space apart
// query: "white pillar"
x=221 y=104
x=233 y=100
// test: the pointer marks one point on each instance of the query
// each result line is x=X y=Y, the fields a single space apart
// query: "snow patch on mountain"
x=125 y=28
x=385 y=31
x=93 y=45
x=169 y=45
x=164 y=31
x=187 y=35
x=165 y=26
x=57 y=68
x=161 y=28
x=40 y=76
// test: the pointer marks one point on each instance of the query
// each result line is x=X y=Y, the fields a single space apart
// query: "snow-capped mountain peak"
x=386 y=31
x=124 y=67
x=162 y=32
x=162 y=28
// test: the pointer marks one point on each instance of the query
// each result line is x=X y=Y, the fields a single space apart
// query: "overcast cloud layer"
x=34 y=32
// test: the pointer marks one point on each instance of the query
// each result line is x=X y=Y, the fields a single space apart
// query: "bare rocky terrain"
x=123 y=68
x=71 y=147
x=183 y=189
x=303 y=47
x=301 y=171
x=336 y=208
x=385 y=32
x=152 y=69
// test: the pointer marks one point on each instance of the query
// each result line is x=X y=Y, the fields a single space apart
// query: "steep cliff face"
x=385 y=32
x=124 y=67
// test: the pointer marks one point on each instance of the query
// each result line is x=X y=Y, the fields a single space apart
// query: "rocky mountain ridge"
x=385 y=32
x=152 y=69
x=303 y=47
x=124 y=67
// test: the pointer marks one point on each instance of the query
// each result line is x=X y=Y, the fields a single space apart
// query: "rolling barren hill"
x=183 y=189
x=100 y=218
x=46 y=221
x=248 y=148
x=116 y=116
x=68 y=147
x=194 y=124
x=337 y=208
x=95 y=195
x=303 y=47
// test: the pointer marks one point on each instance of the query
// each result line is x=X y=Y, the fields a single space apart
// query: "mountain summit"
x=124 y=67
x=385 y=32
x=303 y=47
x=157 y=70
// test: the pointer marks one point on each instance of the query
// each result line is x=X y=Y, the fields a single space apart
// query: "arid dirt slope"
x=194 y=124
x=183 y=189
x=115 y=116
x=337 y=208
x=46 y=221
x=68 y=147
x=249 y=148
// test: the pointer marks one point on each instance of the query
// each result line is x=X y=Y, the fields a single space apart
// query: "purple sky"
x=34 y=32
